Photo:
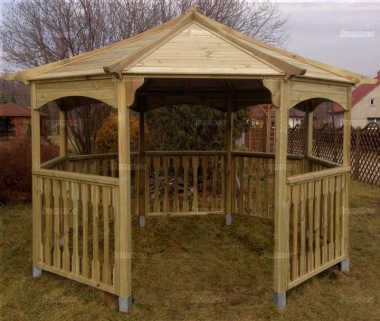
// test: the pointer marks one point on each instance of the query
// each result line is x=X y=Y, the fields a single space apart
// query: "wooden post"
x=346 y=162
x=229 y=171
x=62 y=131
x=36 y=191
x=281 y=210
x=125 y=93
x=141 y=170
x=308 y=136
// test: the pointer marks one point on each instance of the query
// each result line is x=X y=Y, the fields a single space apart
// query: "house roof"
x=358 y=94
x=14 y=110
x=191 y=45
x=296 y=113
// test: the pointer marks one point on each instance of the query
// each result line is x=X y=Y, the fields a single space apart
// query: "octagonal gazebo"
x=188 y=60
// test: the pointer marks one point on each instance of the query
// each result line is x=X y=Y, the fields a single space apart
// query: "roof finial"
x=192 y=8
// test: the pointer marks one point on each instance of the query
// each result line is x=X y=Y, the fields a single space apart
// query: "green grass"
x=196 y=269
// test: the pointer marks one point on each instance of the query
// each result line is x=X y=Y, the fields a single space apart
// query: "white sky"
x=315 y=32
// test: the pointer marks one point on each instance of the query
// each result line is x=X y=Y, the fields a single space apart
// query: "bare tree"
x=36 y=32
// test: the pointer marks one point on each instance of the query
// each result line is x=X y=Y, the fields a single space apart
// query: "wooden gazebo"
x=83 y=205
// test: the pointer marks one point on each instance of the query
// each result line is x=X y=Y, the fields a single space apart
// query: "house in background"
x=15 y=121
x=365 y=106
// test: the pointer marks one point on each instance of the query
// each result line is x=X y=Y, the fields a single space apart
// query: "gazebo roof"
x=191 y=45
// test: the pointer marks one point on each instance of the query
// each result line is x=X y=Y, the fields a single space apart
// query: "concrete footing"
x=228 y=219
x=37 y=272
x=345 y=265
x=125 y=303
x=279 y=299
x=142 y=221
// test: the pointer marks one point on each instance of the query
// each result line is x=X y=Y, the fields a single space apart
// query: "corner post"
x=125 y=93
x=229 y=171
x=142 y=169
x=281 y=210
x=36 y=191
x=344 y=265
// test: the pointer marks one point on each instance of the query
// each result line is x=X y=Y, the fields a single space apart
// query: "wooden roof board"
x=197 y=49
x=94 y=64
x=311 y=71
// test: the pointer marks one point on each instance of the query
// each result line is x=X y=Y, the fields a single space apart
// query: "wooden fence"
x=328 y=145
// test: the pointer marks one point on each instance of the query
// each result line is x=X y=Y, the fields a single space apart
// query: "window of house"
x=372 y=102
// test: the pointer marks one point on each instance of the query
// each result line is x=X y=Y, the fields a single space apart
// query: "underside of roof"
x=190 y=46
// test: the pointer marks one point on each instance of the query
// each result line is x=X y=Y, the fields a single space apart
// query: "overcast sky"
x=322 y=30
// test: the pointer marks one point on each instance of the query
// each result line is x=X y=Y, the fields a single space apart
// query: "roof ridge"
x=129 y=61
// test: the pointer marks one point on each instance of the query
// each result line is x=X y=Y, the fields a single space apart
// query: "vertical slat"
x=95 y=234
x=295 y=194
x=258 y=191
x=339 y=211
x=85 y=215
x=195 y=162
x=241 y=190
x=75 y=257
x=66 y=226
x=310 y=231
x=56 y=215
x=156 y=184
x=233 y=183
x=266 y=188
x=331 y=215
x=147 y=184
x=106 y=278
x=303 y=229
x=223 y=181
x=317 y=231
x=166 y=164
x=175 y=197
x=214 y=171
x=48 y=222
x=38 y=191
x=325 y=221
x=250 y=182
x=204 y=182
x=186 y=184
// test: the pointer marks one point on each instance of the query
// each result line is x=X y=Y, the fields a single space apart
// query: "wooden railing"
x=185 y=183
x=253 y=186
x=73 y=233
x=317 y=226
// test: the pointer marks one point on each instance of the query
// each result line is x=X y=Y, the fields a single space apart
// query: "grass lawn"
x=197 y=269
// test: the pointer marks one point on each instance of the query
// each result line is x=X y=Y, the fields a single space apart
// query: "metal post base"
x=228 y=219
x=37 y=272
x=279 y=299
x=142 y=221
x=125 y=303
x=345 y=265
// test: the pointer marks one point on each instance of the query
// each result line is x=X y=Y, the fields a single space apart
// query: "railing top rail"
x=323 y=162
x=55 y=161
x=265 y=155
x=78 y=177
x=313 y=176
x=185 y=152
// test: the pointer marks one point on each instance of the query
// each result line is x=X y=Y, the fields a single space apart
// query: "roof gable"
x=362 y=91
